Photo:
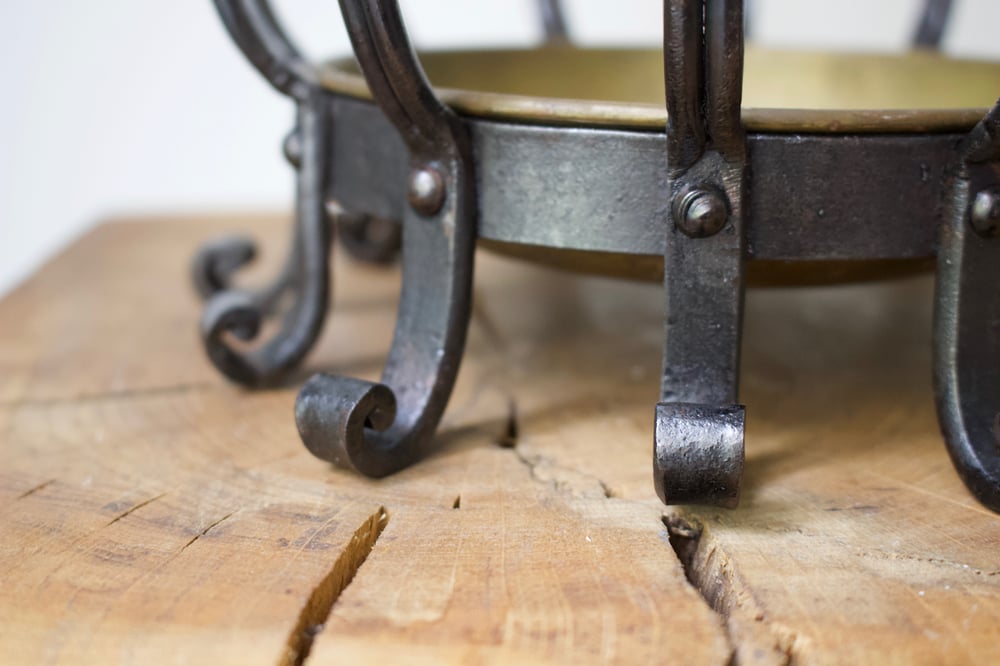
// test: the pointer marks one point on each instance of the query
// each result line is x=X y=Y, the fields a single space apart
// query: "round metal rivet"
x=426 y=190
x=700 y=212
x=985 y=214
x=292 y=148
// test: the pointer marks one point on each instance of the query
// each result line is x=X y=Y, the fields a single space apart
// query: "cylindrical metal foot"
x=698 y=453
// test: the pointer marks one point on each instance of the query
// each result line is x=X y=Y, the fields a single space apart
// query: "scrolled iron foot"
x=218 y=260
x=345 y=421
x=235 y=312
x=305 y=279
x=698 y=453
x=372 y=428
x=299 y=296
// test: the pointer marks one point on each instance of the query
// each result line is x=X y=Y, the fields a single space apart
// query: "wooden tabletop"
x=151 y=512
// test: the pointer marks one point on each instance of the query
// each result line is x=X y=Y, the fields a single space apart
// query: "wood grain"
x=150 y=512
x=855 y=541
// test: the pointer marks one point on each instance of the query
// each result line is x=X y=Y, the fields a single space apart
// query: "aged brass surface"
x=784 y=91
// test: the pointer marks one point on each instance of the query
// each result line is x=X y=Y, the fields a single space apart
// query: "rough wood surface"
x=150 y=512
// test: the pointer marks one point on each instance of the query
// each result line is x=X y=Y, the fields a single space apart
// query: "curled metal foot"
x=235 y=312
x=298 y=298
x=344 y=420
x=304 y=282
x=218 y=260
x=698 y=453
x=377 y=429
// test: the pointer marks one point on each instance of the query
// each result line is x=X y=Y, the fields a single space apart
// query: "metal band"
x=601 y=190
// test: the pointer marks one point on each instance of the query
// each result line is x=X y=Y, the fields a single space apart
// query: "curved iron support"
x=256 y=31
x=553 y=22
x=698 y=443
x=377 y=240
x=304 y=279
x=967 y=316
x=219 y=260
x=377 y=429
x=933 y=22
x=241 y=313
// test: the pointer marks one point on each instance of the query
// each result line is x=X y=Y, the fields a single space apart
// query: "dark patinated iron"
x=240 y=313
x=698 y=440
x=377 y=429
x=933 y=22
x=708 y=203
x=553 y=21
x=967 y=316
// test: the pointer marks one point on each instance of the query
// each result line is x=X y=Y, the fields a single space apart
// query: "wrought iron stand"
x=448 y=179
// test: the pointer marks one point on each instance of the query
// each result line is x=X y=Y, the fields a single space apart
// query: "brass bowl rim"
x=340 y=76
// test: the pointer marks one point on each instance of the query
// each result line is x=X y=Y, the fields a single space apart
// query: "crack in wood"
x=207 y=529
x=961 y=566
x=753 y=638
x=708 y=569
x=546 y=469
x=321 y=600
x=563 y=479
x=19 y=403
x=35 y=489
x=512 y=429
x=135 y=508
x=685 y=540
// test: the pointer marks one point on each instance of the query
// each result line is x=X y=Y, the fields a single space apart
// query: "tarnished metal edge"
x=336 y=77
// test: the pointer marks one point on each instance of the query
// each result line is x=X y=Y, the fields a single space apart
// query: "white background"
x=112 y=107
